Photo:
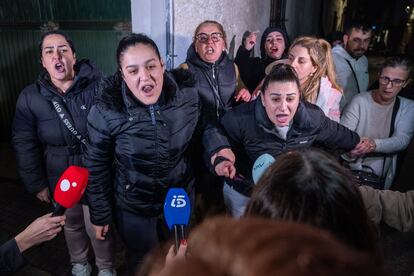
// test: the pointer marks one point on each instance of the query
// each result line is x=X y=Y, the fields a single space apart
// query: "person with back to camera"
x=385 y=119
x=220 y=89
x=45 y=146
x=277 y=122
x=260 y=246
x=273 y=46
x=310 y=187
x=139 y=134
x=312 y=59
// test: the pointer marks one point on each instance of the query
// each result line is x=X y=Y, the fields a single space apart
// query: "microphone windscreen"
x=260 y=165
x=71 y=186
x=177 y=207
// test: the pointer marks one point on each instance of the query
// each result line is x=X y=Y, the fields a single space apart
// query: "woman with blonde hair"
x=312 y=59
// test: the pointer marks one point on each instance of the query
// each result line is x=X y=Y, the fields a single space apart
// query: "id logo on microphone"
x=177 y=207
x=178 y=201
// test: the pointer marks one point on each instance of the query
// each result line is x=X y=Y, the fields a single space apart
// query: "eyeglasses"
x=203 y=37
x=394 y=82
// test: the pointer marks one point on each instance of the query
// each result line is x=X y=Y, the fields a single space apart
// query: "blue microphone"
x=260 y=165
x=177 y=208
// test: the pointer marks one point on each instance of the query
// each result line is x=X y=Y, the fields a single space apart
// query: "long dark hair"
x=312 y=188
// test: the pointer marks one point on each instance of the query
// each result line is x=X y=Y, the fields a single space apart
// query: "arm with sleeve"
x=336 y=135
x=11 y=259
x=28 y=148
x=394 y=208
x=98 y=159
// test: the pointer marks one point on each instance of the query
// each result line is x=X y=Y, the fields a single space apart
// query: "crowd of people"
x=201 y=127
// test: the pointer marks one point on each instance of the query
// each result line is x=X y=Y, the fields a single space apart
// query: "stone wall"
x=149 y=16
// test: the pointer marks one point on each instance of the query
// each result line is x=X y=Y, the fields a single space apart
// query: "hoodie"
x=252 y=69
x=346 y=78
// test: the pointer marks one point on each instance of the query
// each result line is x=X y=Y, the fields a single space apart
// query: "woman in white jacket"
x=370 y=115
x=312 y=59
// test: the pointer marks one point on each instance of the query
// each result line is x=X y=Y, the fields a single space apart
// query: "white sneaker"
x=107 y=272
x=79 y=269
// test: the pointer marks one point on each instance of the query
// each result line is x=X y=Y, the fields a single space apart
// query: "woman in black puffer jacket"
x=139 y=134
x=275 y=123
x=45 y=147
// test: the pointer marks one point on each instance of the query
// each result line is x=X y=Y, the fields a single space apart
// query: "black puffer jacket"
x=221 y=75
x=253 y=134
x=148 y=143
x=44 y=146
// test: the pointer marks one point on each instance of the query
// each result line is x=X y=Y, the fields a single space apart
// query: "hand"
x=226 y=169
x=180 y=255
x=100 y=231
x=365 y=145
x=42 y=229
x=250 y=40
x=243 y=94
x=255 y=94
x=257 y=91
x=225 y=152
x=43 y=195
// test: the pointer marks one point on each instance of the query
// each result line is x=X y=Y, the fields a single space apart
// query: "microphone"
x=177 y=208
x=70 y=188
x=260 y=165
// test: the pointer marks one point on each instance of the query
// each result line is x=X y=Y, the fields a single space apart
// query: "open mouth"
x=147 y=89
x=209 y=50
x=274 y=52
x=59 y=67
x=282 y=119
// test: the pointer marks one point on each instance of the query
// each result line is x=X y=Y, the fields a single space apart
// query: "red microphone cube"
x=71 y=186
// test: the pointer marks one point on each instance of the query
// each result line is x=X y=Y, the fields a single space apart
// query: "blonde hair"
x=320 y=53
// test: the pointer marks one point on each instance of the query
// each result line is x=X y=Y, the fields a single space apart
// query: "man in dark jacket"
x=49 y=132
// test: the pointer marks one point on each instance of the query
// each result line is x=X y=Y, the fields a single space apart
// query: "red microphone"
x=70 y=188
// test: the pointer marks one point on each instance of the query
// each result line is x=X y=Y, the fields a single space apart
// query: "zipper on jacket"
x=152 y=114
x=213 y=70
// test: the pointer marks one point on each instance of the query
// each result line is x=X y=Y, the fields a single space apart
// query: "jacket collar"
x=300 y=123
x=195 y=59
x=133 y=105
x=85 y=73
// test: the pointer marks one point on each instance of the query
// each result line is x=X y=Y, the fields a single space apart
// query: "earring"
x=311 y=74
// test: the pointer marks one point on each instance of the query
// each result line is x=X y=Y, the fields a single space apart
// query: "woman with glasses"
x=219 y=88
x=370 y=115
x=216 y=74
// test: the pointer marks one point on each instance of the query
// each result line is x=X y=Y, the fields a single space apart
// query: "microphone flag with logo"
x=70 y=188
x=260 y=165
x=177 y=208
